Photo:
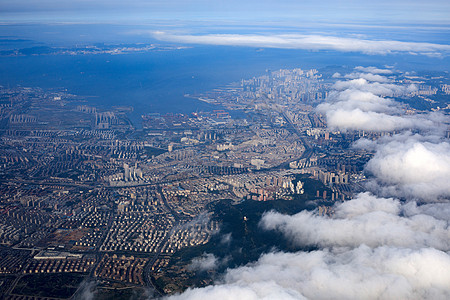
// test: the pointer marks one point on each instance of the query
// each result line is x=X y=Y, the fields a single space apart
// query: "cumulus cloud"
x=205 y=262
x=353 y=98
x=404 y=165
x=412 y=166
x=436 y=210
x=359 y=91
x=336 y=75
x=374 y=70
x=373 y=248
x=357 y=119
x=367 y=220
x=367 y=76
x=376 y=88
x=359 y=273
x=362 y=104
x=359 y=104
x=226 y=239
x=307 y=42
x=372 y=251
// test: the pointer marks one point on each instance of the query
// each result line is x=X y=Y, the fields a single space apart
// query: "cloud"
x=412 y=166
x=439 y=211
x=361 y=104
x=226 y=239
x=205 y=262
x=374 y=70
x=87 y=290
x=306 y=42
x=367 y=76
x=360 y=273
x=249 y=291
x=404 y=165
x=336 y=75
x=357 y=119
x=367 y=220
x=372 y=248
x=202 y=218
x=354 y=98
x=360 y=92
x=377 y=88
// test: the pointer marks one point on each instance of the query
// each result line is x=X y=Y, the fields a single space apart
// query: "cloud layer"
x=306 y=42
x=412 y=166
x=367 y=220
x=404 y=165
x=205 y=262
x=362 y=104
x=360 y=273
x=372 y=248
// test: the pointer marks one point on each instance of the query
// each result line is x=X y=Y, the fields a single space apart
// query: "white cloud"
x=205 y=262
x=436 y=210
x=357 y=119
x=359 y=104
x=412 y=166
x=336 y=75
x=376 y=88
x=354 y=98
x=373 y=70
x=360 y=273
x=307 y=42
x=226 y=239
x=367 y=76
x=367 y=220
x=373 y=248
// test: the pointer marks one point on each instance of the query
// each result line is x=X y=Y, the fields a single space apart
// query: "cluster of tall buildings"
x=132 y=173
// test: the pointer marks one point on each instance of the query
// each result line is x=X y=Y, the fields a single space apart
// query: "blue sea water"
x=153 y=81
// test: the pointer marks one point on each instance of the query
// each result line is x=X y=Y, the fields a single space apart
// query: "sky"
x=330 y=11
x=370 y=27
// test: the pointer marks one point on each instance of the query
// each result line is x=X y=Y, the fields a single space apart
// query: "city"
x=88 y=196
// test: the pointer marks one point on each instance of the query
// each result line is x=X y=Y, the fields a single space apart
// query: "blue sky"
x=249 y=11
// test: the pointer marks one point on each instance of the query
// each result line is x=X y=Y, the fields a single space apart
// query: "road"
x=308 y=148
x=162 y=246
